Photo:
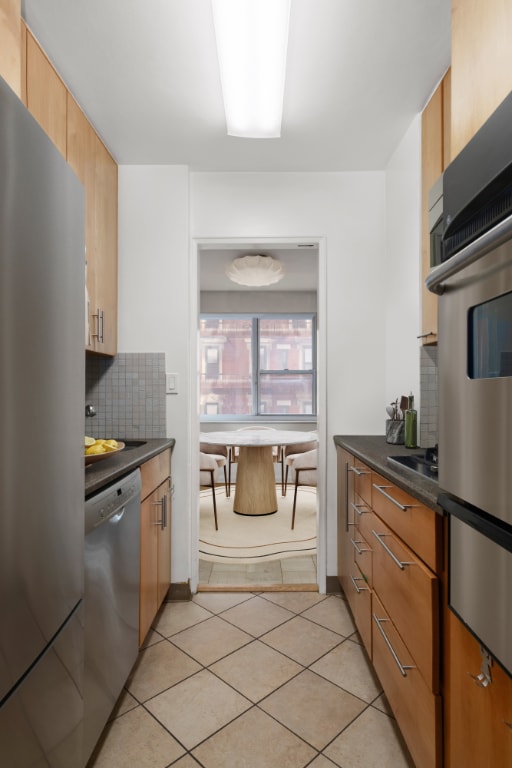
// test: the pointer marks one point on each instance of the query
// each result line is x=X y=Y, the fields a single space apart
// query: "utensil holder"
x=395 y=431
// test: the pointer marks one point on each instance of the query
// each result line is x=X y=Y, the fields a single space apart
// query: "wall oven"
x=474 y=284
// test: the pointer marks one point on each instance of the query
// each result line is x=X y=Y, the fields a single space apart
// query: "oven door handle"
x=468 y=255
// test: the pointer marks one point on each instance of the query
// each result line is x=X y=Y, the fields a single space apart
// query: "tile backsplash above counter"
x=429 y=409
x=128 y=395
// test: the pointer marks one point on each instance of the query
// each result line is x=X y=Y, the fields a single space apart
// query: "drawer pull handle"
x=402 y=667
x=359 y=472
x=359 y=589
x=358 y=549
x=403 y=507
x=401 y=563
x=509 y=725
x=356 y=509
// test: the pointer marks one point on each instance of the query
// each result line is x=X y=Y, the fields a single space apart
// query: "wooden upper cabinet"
x=10 y=43
x=46 y=94
x=435 y=156
x=481 y=64
x=98 y=173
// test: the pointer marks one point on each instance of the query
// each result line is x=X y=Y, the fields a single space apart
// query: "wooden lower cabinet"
x=416 y=708
x=478 y=719
x=155 y=539
x=394 y=595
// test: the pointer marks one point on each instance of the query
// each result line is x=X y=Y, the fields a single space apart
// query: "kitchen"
x=279 y=204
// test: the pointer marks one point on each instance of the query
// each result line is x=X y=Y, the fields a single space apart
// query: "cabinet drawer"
x=419 y=526
x=416 y=708
x=155 y=471
x=362 y=480
x=410 y=593
x=360 y=601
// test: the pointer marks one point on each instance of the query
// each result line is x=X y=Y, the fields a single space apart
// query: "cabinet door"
x=98 y=173
x=46 y=94
x=102 y=262
x=164 y=542
x=481 y=64
x=345 y=518
x=10 y=36
x=478 y=725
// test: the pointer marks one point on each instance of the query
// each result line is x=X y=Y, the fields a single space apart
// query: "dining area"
x=258 y=507
x=256 y=452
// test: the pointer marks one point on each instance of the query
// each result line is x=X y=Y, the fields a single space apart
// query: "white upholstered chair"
x=290 y=454
x=220 y=454
x=305 y=466
x=207 y=469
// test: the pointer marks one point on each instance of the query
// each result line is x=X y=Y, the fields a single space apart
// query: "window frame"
x=257 y=373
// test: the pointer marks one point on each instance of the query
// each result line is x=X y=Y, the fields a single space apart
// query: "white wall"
x=371 y=286
x=348 y=209
x=403 y=248
x=154 y=307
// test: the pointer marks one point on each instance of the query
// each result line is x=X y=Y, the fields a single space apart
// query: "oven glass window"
x=490 y=339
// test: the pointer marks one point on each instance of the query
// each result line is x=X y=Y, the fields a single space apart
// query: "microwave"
x=435 y=222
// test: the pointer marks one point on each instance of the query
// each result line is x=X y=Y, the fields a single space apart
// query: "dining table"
x=255 y=487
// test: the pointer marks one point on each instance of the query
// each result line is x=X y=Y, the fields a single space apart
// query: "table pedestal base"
x=255 y=492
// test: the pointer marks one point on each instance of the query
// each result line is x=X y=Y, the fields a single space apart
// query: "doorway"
x=304 y=262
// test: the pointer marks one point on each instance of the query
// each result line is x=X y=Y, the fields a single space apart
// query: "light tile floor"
x=291 y=570
x=252 y=680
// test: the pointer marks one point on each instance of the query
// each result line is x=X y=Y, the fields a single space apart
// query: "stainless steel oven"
x=474 y=283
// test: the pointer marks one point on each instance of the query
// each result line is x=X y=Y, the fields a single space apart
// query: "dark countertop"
x=101 y=473
x=373 y=450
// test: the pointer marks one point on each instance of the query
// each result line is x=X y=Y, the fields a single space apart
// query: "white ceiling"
x=145 y=72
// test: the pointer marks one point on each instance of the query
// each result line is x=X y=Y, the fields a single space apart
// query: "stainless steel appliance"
x=42 y=246
x=111 y=601
x=435 y=221
x=474 y=283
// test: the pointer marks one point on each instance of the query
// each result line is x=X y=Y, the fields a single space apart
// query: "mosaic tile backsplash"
x=429 y=407
x=128 y=394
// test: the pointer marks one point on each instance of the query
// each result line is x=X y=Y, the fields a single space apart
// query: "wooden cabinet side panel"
x=10 y=43
x=431 y=169
x=46 y=95
x=481 y=64
x=345 y=489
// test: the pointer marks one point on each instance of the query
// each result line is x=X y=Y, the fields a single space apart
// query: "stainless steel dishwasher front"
x=111 y=599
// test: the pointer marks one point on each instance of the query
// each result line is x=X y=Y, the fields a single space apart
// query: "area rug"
x=252 y=539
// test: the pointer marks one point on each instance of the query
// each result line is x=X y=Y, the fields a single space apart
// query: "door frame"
x=194 y=426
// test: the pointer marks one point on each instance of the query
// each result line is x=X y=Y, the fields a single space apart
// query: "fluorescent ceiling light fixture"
x=252 y=41
x=255 y=270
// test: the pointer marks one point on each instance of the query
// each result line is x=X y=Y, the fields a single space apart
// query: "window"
x=255 y=365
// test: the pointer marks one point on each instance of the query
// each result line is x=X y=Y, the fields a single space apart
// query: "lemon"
x=110 y=445
x=95 y=449
x=89 y=441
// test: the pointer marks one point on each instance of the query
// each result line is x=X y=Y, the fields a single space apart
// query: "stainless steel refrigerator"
x=41 y=446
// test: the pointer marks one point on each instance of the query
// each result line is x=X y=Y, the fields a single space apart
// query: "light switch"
x=171 y=383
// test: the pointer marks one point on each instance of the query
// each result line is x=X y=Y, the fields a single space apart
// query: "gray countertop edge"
x=374 y=450
x=102 y=473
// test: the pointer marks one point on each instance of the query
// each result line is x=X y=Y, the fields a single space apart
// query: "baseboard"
x=179 y=591
x=332 y=585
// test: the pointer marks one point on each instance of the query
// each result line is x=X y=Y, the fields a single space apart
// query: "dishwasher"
x=111 y=599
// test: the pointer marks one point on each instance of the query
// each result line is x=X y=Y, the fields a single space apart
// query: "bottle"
x=411 y=425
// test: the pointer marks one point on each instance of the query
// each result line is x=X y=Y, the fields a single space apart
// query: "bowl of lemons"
x=96 y=449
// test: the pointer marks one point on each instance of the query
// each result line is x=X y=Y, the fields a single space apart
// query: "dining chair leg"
x=283 y=488
x=226 y=486
x=286 y=480
x=212 y=472
x=295 y=499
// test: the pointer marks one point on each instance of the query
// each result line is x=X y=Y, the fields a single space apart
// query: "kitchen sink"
x=423 y=463
x=133 y=444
